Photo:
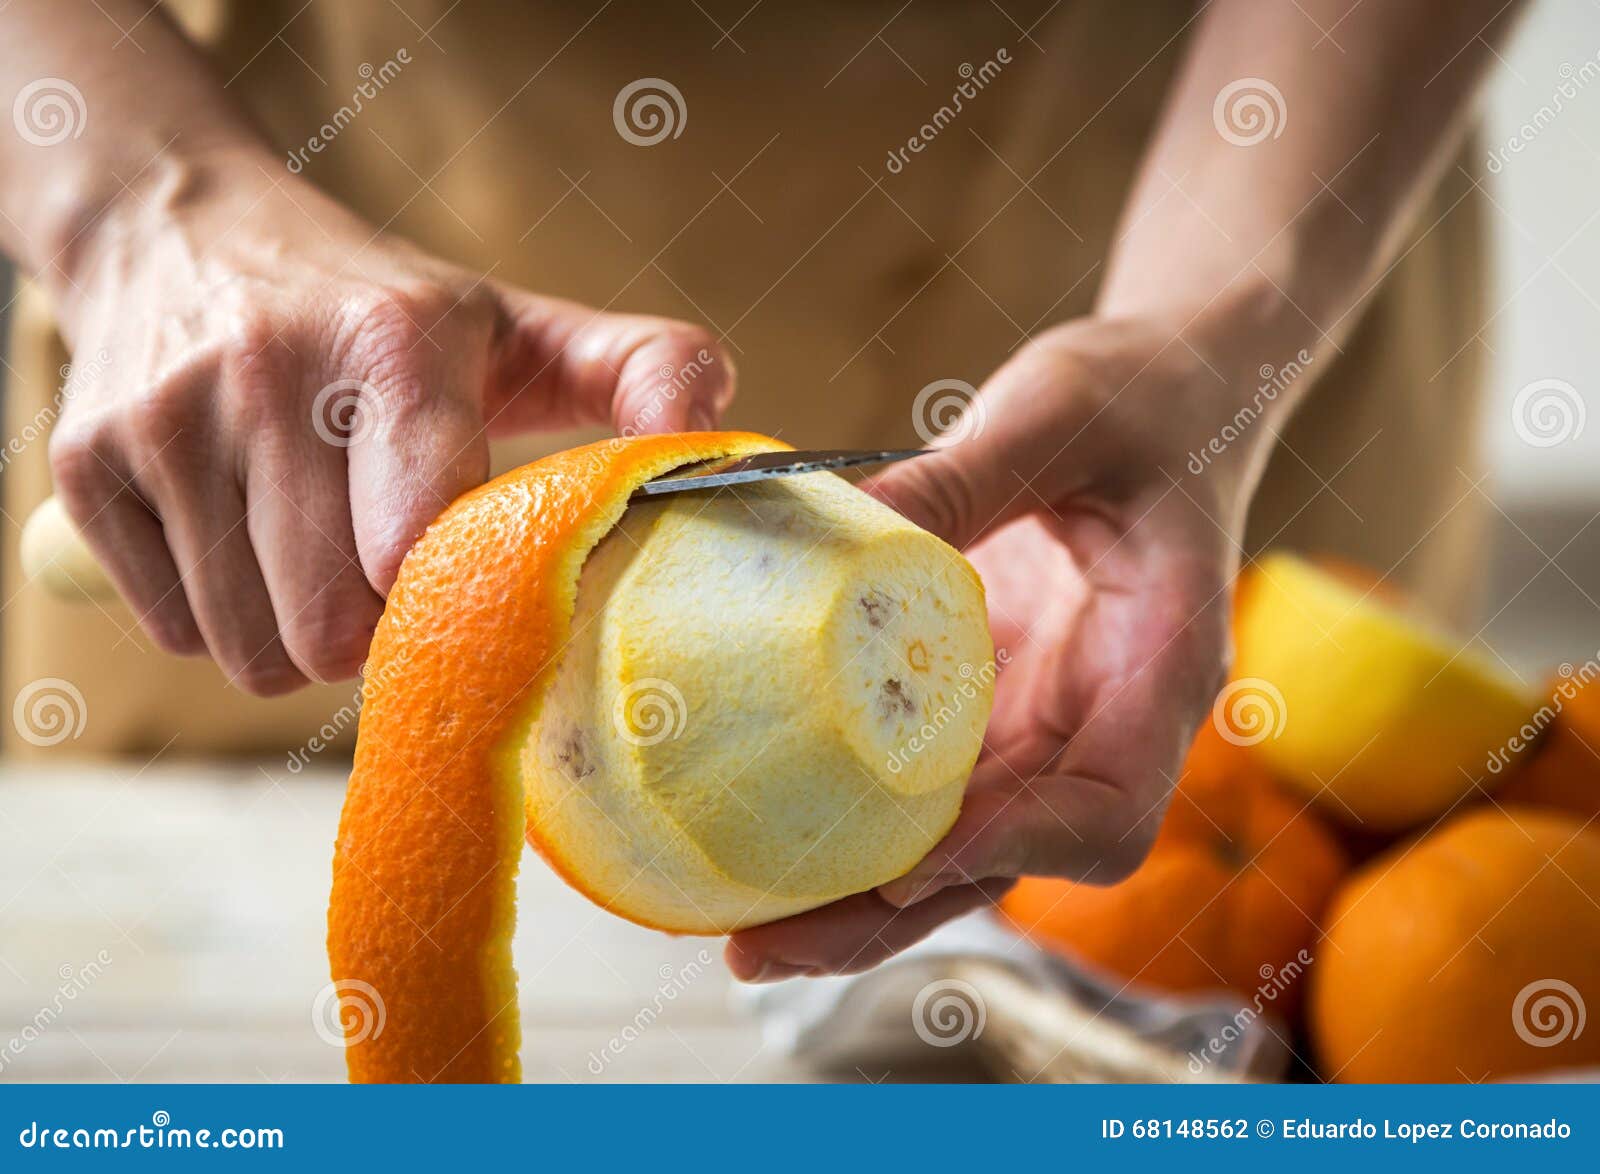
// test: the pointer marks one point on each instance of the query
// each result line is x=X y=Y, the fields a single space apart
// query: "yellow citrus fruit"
x=1357 y=704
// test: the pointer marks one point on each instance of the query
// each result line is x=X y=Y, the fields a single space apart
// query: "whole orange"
x=1228 y=898
x=1563 y=772
x=1465 y=955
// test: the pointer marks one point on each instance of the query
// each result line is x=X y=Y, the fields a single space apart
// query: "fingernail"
x=777 y=972
x=701 y=419
x=903 y=893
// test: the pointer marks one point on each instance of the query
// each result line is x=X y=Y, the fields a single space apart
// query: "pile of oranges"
x=1383 y=844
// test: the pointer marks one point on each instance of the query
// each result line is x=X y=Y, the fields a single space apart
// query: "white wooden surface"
x=206 y=887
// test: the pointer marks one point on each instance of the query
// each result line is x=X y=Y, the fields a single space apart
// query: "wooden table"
x=167 y=924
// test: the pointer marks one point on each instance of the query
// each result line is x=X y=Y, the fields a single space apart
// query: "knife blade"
x=723 y=471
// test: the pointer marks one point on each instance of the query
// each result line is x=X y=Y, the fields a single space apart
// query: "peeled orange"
x=705 y=712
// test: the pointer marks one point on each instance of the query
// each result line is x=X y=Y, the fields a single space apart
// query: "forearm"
x=1259 y=239
x=143 y=114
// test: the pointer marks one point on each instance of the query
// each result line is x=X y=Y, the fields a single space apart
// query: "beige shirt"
x=785 y=209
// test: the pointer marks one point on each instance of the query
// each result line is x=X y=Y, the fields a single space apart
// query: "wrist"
x=93 y=222
x=1231 y=371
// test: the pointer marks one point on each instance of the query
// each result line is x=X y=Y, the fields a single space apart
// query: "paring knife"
x=54 y=554
x=715 y=474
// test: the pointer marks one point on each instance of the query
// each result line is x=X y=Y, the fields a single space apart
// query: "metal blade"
x=740 y=470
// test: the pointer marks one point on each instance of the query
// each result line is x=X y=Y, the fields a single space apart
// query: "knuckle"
x=158 y=417
x=695 y=350
x=77 y=453
x=173 y=635
x=401 y=318
x=270 y=674
x=329 y=648
x=258 y=368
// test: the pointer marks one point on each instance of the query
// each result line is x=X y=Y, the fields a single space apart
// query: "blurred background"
x=1546 y=325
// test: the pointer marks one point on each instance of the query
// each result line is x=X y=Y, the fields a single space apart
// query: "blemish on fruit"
x=894 y=701
x=917 y=656
x=574 y=757
x=877 y=606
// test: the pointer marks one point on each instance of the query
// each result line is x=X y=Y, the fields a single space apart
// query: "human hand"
x=282 y=399
x=1107 y=568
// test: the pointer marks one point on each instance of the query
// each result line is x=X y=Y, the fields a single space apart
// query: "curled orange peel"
x=424 y=875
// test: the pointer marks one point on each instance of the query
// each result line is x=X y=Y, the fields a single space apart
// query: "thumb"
x=560 y=364
x=997 y=458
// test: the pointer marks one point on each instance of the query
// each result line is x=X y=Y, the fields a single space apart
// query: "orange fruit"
x=1466 y=955
x=424 y=871
x=1563 y=771
x=1228 y=898
x=517 y=684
